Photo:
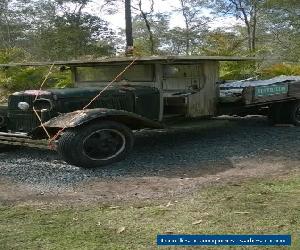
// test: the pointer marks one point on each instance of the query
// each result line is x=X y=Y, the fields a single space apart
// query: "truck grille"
x=15 y=99
x=20 y=121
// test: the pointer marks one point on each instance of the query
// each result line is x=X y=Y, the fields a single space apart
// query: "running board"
x=22 y=140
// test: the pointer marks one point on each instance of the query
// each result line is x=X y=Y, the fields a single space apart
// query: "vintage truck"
x=151 y=94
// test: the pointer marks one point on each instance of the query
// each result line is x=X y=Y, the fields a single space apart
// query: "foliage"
x=47 y=30
x=159 y=27
x=195 y=27
x=238 y=70
x=16 y=79
x=248 y=12
x=280 y=69
x=219 y=43
x=70 y=29
x=283 y=25
x=71 y=36
x=54 y=30
x=244 y=70
x=12 y=55
x=12 y=24
x=22 y=78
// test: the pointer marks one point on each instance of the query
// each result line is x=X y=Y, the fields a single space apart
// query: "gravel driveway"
x=176 y=155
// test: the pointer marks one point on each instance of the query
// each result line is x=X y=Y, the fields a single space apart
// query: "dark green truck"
x=152 y=93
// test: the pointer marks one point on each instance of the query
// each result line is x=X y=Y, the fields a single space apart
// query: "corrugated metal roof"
x=139 y=59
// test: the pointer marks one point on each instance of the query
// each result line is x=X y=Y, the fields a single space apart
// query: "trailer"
x=93 y=124
x=277 y=98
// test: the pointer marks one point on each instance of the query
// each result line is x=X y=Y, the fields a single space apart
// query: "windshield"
x=106 y=73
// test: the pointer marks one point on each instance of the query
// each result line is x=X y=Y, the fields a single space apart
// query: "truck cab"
x=187 y=87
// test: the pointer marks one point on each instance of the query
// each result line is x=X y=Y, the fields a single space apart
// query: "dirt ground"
x=143 y=188
x=170 y=181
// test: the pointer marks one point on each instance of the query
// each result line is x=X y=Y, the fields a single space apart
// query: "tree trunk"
x=152 y=51
x=254 y=26
x=148 y=26
x=187 y=27
x=250 y=20
x=128 y=21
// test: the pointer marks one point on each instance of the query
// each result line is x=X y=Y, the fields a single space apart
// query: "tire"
x=275 y=114
x=96 y=145
x=293 y=113
x=65 y=145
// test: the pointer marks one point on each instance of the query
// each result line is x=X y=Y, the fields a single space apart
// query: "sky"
x=117 y=20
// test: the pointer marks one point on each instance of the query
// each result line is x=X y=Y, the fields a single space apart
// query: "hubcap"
x=104 y=144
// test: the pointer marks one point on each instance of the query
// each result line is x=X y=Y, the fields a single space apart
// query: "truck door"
x=196 y=83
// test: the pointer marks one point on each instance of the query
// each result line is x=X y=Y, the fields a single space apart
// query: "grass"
x=251 y=207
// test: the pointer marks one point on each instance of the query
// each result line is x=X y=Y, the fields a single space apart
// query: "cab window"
x=106 y=73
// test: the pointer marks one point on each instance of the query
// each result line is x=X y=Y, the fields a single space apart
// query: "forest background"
x=51 y=30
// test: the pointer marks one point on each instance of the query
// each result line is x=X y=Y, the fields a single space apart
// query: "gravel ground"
x=161 y=154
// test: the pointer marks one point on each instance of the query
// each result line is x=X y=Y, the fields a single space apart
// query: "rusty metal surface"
x=80 y=117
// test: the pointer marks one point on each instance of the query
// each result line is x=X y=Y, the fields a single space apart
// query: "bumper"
x=17 y=139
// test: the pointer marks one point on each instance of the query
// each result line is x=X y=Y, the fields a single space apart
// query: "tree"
x=128 y=21
x=195 y=26
x=220 y=43
x=147 y=18
x=159 y=26
x=54 y=29
x=13 y=25
x=248 y=12
x=71 y=37
x=70 y=32
x=282 y=25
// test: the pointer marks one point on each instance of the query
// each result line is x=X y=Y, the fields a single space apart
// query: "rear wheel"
x=293 y=113
x=96 y=145
x=285 y=113
x=275 y=114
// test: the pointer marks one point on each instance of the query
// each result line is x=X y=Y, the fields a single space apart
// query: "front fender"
x=81 y=117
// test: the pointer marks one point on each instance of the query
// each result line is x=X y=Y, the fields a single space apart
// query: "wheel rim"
x=297 y=114
x=104 y=144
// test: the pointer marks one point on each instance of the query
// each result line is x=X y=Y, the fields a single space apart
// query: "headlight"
x=43 y=104
x=23 y=106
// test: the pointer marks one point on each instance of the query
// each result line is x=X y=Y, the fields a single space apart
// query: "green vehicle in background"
x=92 y=124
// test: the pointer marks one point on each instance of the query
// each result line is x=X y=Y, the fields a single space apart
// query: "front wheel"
x=96 y=145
